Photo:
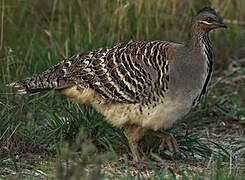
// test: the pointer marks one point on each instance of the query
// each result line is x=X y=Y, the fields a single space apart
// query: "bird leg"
x=134 y=133
x=167 y=139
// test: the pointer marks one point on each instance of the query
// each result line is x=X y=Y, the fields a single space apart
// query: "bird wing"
x=128 y=72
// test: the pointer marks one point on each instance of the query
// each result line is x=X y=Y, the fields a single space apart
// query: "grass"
x=45 y=133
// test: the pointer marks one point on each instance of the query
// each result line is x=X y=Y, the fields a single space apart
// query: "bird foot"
x=135 y=152
x=134 y=134
x=169 y=140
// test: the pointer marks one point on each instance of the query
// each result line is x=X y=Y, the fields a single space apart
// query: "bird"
x=143 y=87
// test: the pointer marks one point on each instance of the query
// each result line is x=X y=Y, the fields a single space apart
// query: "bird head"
x=207 y=19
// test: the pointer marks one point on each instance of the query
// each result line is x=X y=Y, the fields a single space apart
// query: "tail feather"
x=39 y=83
x=54 y=78
x=32 y=84
x=18 y=87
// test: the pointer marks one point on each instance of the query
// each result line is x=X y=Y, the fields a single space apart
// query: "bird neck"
x=198 y=38
x=199 y=43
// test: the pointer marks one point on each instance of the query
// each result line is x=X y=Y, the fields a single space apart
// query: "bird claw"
x=138 y=163
x=161 y=148
x=169 y=140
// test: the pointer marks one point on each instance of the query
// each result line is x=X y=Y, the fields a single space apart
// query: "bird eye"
x=209 y=19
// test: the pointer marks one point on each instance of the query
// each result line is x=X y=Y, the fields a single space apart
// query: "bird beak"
x=221 y=25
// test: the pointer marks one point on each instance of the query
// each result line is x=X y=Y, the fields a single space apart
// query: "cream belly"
x=161 y=116
x=164 y=115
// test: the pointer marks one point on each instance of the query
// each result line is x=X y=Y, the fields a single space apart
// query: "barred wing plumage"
x=128 y=72
x=134 y=72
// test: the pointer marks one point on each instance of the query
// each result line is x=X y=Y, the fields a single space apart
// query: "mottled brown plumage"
x=141 y=86
x=134 y=72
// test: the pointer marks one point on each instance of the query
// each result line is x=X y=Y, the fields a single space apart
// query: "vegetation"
x=47 y=136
